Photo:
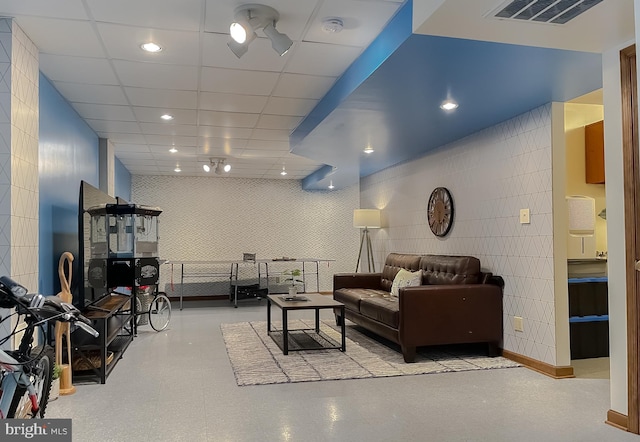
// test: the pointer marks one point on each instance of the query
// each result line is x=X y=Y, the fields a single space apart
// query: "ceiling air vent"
x=557 y=12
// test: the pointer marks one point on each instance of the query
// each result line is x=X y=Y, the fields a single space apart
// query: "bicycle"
x=26 y=373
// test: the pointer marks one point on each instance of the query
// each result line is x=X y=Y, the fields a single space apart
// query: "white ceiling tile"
x=289 y=106
x=362 y=20
x=62 y=37
x=232 y=102
x=77 y=69
x=269 y=134
x=125 y=147
x=123 y=42
x=259 y=57
x=91 y=93
x=224 y=132
x=278 y=122
x=311 y=58
x=163 y=149
x=169 y=129
x=104 y=111
x=71 y=9
x=162 y=14
x=172 y=99
x=154 y=75
x=117 y=137
x=211 y=152
x=132 y=155
x=126 y=127
x=237 y=81
x=221 y=143
x=172 y=140
x=260 y=153
x=268 y=145
x=303 y=86
x=152 y=115
x=227 y=119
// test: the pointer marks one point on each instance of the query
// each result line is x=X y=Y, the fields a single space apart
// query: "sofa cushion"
x=442 y=269
x=393 y=264
x=351 y=297
x=405 y=278
x=385 y=310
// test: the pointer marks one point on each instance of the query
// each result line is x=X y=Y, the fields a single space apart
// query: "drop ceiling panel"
x=154 y=75
x=62 y=37
x=224 y=132
x=268 y=145
x=289 y=106
x=278 y=122
x=91 y=93
x=124 y=147
x=164 y=14
x=259 y=57
x=303 y=86
x=152 y=115
x=271 y=135
x=311 y=58
x=260 y=153
x=227 y=119
x=173 y=140
x=123 y=137
x=164 y=148
x=71 y=9
x=237 y=81
x=123 y=42
x=127 y=127
x=77 y=69
x=169 y=129
x=232 y=102
x=104 y=111
x=362 y=20
x=167 y=98
x=221 y=143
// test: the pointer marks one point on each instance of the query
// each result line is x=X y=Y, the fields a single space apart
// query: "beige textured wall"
x=220 y=218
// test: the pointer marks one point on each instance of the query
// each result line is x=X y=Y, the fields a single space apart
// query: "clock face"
x=440 y=211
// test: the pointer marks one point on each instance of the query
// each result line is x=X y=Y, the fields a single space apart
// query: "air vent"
x=557 y=12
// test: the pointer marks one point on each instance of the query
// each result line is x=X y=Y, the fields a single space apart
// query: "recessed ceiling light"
x=173 y=150
x=331 y=186
x=151 y=47
x=284 y=172
x=448 y=105
x=368 y=150
x=167 y=117
x=177 y=169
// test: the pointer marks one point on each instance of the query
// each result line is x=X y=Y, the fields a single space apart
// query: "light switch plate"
x=524 y=216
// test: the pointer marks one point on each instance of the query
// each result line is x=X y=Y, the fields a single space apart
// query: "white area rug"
x=257 y=360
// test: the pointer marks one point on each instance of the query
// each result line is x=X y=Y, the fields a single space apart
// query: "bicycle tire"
x=41 y=378
x=159 y=312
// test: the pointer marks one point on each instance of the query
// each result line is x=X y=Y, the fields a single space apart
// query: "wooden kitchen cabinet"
x=594 y=152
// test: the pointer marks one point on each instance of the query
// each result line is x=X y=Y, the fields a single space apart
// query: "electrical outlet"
x=518 y=323
x=277 y=278
x=524 y=216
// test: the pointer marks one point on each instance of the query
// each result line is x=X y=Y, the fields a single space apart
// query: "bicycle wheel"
x=160 y=312
x=40 y=376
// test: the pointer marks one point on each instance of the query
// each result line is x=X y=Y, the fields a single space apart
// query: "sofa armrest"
x=450 y=312
x=357 y=281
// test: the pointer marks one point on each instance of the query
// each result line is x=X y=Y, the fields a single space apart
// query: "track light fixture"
x=247 y=20
x=217 y=165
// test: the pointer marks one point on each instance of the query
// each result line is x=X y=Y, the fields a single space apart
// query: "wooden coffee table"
x=314 y=301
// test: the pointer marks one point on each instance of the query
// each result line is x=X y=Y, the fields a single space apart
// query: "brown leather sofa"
x=456 y=303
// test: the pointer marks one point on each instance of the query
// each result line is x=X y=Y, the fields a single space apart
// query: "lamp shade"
x=366 y=218
x=582 y=220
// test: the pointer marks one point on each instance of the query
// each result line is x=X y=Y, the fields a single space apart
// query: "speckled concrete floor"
x=178 y=385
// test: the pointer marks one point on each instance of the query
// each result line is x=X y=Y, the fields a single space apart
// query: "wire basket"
x=144 y=296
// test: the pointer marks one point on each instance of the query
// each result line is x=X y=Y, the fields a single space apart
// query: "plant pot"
x=55 y=389
x=293 y=290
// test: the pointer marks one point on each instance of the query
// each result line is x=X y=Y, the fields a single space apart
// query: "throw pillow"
x=405 y=278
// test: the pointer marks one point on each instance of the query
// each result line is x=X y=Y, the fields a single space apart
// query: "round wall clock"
x=440 y=211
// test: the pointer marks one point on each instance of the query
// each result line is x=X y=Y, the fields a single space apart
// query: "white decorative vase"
x=55 y=389
x=293 y=290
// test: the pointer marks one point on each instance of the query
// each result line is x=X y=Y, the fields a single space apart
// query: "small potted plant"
x=55 y=382
x=292 y=277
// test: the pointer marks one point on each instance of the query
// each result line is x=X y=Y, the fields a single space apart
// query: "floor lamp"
x=366 y=219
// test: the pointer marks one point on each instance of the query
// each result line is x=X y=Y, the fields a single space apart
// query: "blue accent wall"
x=122 y=181
x=68 y=153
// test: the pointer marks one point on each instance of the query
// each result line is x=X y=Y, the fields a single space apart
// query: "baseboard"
x=199 y=298
x=553 y=371
x=617 y=420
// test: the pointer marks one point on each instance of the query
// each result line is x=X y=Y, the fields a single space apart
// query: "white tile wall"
x=491 y=175
x=19 y=118
x=221 y=218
